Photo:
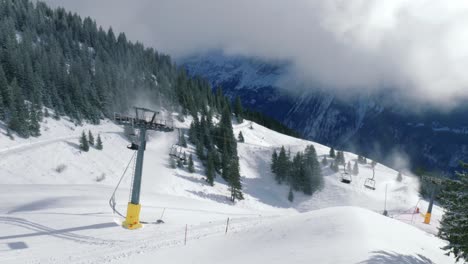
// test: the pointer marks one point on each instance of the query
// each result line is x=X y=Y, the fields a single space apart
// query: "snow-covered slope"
x=332 y=235
x=48 y=216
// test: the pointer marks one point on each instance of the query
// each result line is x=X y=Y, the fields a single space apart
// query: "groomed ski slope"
x=48 y=216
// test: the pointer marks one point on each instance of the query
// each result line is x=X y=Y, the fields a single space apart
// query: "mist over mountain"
x=373 y=124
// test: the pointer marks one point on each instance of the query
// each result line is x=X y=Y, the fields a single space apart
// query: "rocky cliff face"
x=364 y=124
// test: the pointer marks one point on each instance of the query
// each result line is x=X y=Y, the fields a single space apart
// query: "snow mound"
x=333 y=235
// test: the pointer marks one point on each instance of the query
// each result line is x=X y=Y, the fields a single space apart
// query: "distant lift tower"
x=144 y=119
x=435 y=183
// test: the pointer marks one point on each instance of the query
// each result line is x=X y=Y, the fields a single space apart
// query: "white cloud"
x=416 y=46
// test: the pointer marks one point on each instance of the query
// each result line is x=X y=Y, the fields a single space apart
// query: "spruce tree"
x=274 y=162
x=348 y=167
x=179 y=163
x=356 y=168
x=312 y=169
x=324 y=161
x=334 y=166
x=18 y=111
x=340 y=159
x=399 y=177
x=182 y=141
x=191 y=167
x=362 y=160
x=210 y=169
x=240 y=138
x=34 y=126
x=90 y=138
x=84 y=145
x=454 y=224
x=332 y=153
x=282 y=168
x=238 y=110
x=173 y=163
x=2 y=107
x=184 y=159
x=291 y=195
x=234 y=181
x=200 y=150
x=99 y=145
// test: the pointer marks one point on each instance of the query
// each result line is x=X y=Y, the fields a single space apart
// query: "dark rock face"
x=363 y=124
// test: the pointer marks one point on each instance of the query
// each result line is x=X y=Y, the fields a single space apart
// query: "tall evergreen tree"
x=234 y=181
x=291 y=195
x=99 y=145
x=332 y=153
x=399 y=177
x=282 y=168
x=238 y=110
x=454 y=224
x=18 y=111
x=274 y=162
x=191 y=167
x=84 y=145
x=182 y=141
x=34 y=126
x=324 y=161
x=240 y=137
x=90 y=138
x=356 y=168
x=334 y=166
x=210 y=169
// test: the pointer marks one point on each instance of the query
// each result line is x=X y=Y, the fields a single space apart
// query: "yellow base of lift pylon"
x=427 y=218
x=132 y=221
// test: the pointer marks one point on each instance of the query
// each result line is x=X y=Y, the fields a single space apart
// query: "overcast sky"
x=416 y=46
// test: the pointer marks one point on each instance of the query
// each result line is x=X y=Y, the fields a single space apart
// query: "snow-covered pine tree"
x=184 y=158
x=274 y=161
x=34 y=126
x=210 y=169
x=173 y=163
x=240 y=137
x=399 y=177
x=282 y=168
x=238 y=110
x=191 y=167
x=90 y=138
x=454 y=224
x=234 y=180
x=182 y=140
x=179 y=163
x=99 y=145
x=334 y=166
x=291 y=195
x=356 y=168
x=312 y=169
x=340 y=159
x=324 y=161
x=348 y=167
x=332 y=153
x=84 y=145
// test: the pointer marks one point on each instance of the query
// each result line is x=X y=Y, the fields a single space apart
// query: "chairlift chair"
x=133 y=146
x=370 y=182
x=346 y=178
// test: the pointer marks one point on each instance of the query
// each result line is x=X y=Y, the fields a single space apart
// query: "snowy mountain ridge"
x=66 y=211
x=375 y=125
